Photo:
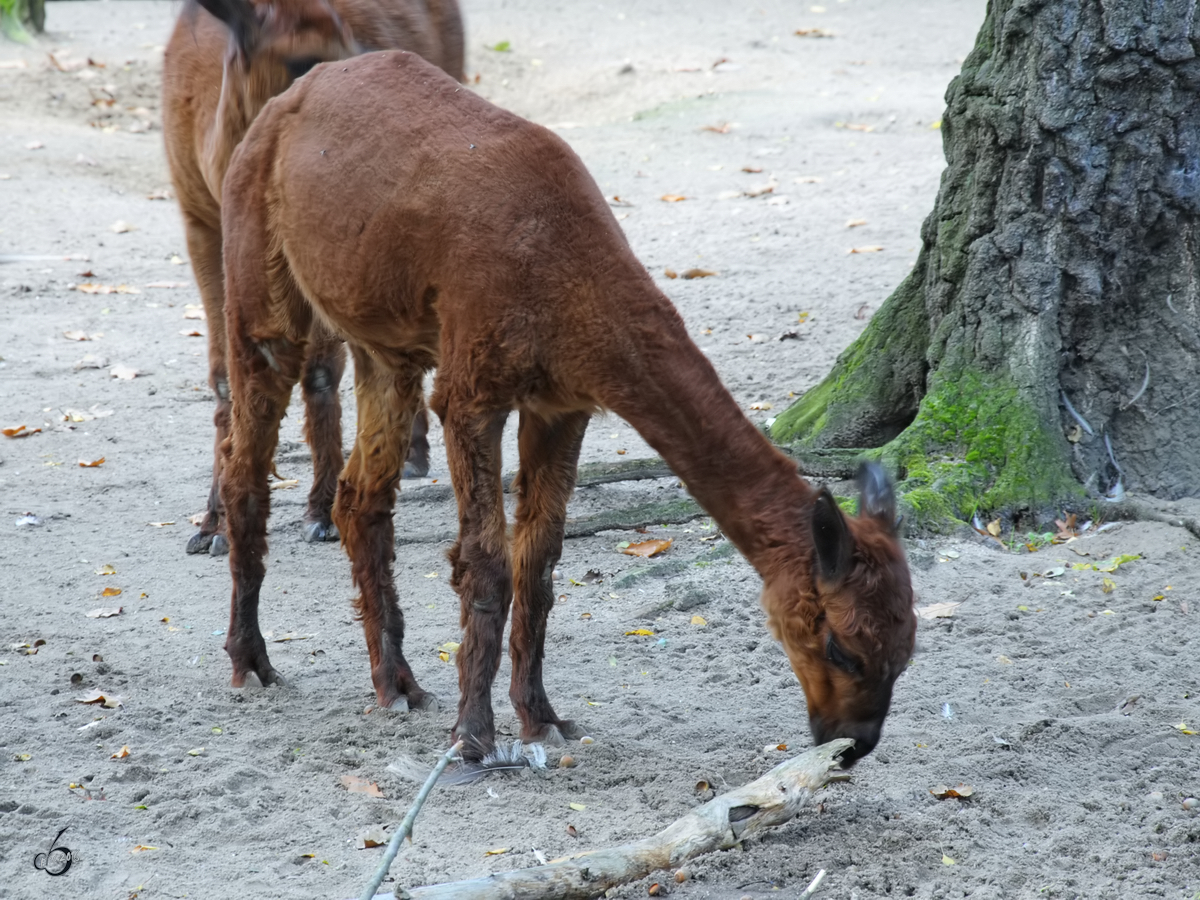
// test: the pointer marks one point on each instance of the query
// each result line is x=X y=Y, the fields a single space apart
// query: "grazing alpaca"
x=429 y=228
x=220 y=69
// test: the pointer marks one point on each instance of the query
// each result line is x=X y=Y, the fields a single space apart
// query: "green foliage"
x=13 y=14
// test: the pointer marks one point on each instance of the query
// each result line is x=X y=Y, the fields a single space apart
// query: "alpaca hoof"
x=427 y=702
x=219 y=546
x=319 y=531
x=199 y=542
x=415 y=469
x=253 y=679
x=555 y=734
x=399 y=705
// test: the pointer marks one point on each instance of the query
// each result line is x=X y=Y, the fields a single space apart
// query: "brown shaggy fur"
x=216 y=79
x=430 y=228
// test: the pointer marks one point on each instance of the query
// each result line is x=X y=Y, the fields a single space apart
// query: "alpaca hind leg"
x=549 y=451
x=481 y=572
x=387 y=401
x=323 y=429
x=262 y=374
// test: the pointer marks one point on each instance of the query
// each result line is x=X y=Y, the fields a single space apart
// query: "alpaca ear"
x=876 y=496
x=831 y=537
x=240 y=18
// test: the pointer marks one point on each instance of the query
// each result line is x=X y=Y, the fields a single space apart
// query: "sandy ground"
x=1056 y=701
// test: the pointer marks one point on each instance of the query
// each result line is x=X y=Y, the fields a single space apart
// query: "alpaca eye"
x=838 y=657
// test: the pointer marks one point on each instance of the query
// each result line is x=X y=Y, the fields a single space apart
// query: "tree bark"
x=1045 y=346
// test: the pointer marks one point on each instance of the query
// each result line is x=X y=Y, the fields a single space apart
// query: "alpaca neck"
x=668 y=390
x=245 y=90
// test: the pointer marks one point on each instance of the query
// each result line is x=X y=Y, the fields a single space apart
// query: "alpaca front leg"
x=323 y=429
x=387 y=401
x=481 y=573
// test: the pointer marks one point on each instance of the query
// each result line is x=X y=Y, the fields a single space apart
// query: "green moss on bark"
x=977 y=444
x=873 y=390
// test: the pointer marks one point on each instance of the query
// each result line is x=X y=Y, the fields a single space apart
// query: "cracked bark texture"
x=1059 y=260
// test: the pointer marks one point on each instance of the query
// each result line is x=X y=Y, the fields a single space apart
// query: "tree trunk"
x=1045 y=346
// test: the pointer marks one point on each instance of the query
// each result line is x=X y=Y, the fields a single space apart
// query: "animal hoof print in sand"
x=316 y=532
x=219 y=546
x=199 y=543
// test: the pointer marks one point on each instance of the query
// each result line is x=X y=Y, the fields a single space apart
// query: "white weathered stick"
x=717 y=825
x=405 y=828
x=813 y=885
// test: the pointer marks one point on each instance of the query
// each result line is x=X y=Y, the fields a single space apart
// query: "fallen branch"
x=721 y=823
x=670 y=512
x=405 y=828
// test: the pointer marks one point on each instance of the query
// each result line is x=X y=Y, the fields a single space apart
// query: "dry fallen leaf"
x=1182 y=726
x=699 y=620
x=76 y=336
x=1108 y=586
x=105 y=612
x=762 y=405
x=640 y=632
x=723 y=128
x=111 y=701
x=122 y=227
x=938 y=610
x=813 y=33
x=123 y=372
x=121 y=754
x=91 y=361
x=578 y=807
x=371 y=837
x=946 y=860
x=285 y=484
x=963 y=791
x=499 y=851
x=672 y=198
x=20 y=431
x=141 y=848
x=670 y=273
x=161 y=524
x=993 y=528
x=193 y=311
x=871 y=249
x=647 y=548
x=855 y=223
x=1004 y=660
x=191 y=332
x=106 y=289
x=358 y=785
x=106 y=569
x=111 y=592
x=697 y=273
x=84 y=464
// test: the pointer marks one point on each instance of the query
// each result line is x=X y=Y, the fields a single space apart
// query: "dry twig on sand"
x=405 y=828
x=721 y=823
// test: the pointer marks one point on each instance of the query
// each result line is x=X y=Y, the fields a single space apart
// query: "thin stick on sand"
x=405 y=828
x=721 y=823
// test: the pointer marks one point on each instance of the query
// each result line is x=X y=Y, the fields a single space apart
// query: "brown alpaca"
x=430 y=228
x=223 y=63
